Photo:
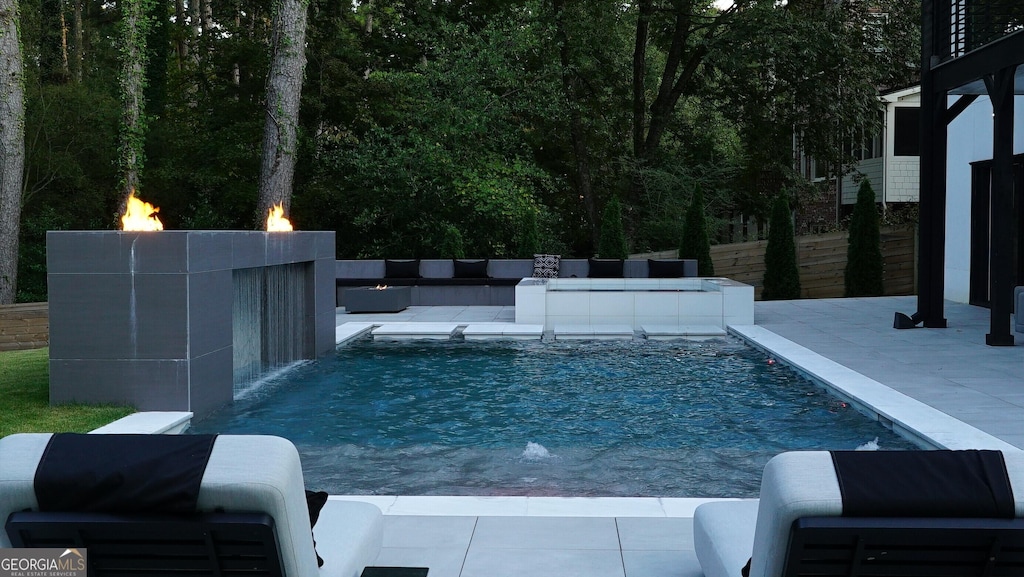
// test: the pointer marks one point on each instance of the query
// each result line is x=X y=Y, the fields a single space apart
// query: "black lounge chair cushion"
x=605 y=268
x=122 y=473
x=315 y=500
x=402 y=268
x=469 y=268
x=188 y=544
x=669 y=268
x=924 y=484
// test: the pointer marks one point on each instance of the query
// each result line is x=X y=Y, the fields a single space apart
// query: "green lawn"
x=25 y=399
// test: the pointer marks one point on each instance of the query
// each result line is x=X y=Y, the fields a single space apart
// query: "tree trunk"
x=643 y=26
x=52 y=65
x=284 y=90
x=577 y=132
x=180 y=44
x=79 y=48
x=12 y=147
x=133 y=70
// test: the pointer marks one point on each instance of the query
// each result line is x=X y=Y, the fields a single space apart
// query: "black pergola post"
x=932 y=192
x=1002 y=255
x=932 y=209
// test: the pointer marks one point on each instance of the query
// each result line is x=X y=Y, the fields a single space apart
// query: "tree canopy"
x=437 y=128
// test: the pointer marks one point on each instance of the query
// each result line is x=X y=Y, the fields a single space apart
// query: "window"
x=907 y=141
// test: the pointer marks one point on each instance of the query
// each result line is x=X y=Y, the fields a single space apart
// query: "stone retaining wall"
x=24 y=326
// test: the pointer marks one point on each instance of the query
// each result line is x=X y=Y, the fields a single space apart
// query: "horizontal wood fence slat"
x=822 y=262
x=24 y=326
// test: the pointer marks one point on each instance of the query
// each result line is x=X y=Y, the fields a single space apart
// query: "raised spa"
x=634 y=302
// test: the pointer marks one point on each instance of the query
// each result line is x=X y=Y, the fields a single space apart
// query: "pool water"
x=605 y=418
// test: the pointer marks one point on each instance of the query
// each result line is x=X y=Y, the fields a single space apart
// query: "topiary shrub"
x=781 y=275
x=528 y=238
x=695 y=243
x=863 y=275
x=612 y=243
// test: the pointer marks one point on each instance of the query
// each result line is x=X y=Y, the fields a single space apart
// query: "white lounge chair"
x=797 y=527
x=252 y=485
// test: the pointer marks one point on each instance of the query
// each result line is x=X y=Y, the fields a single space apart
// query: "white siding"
x=871 y=169
x=904 y=179
x=970 y=139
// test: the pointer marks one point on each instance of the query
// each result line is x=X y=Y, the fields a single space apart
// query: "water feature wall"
x=171 y=320
x=270 y=328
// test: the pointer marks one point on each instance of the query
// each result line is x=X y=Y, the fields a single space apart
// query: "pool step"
x=347 y=331
x=664 y=332
x=406 y=331
x=592 y=332
x=505 y=331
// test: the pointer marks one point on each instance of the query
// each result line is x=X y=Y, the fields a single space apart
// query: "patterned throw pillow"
x=546 y=265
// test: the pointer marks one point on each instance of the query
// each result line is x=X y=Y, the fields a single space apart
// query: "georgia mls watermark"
x=43 y=563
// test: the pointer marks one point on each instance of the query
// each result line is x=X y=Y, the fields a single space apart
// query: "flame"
x=140 y=215
x=381 y=287
x=276 y=221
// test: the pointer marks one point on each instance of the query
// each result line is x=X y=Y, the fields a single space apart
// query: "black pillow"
x=470 y=268
x=402 y=268
x=605 y=268
x=315 y=500
x=672 y=268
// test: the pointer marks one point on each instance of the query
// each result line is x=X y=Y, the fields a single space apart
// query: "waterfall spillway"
x=270 y=325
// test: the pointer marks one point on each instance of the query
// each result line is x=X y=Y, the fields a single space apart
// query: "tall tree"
x=686 y=31
x=284 y=90
x=12 y=147
x=134 y=30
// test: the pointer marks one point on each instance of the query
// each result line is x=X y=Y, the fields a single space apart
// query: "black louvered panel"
x=906 y=547
x=217 y=544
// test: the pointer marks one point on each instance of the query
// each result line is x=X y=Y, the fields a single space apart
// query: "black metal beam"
x=959 y=106
x=985 y=61
x=1002 y=238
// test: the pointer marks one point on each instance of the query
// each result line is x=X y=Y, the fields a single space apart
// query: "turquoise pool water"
x=612 y=418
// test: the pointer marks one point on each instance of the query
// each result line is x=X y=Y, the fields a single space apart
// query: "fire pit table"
x=377 y=300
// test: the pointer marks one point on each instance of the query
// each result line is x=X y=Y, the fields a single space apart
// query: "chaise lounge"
x=248 y=513
x=912 y=513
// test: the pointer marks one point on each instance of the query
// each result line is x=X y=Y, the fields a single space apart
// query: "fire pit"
x=178 y=320
x=380 y=299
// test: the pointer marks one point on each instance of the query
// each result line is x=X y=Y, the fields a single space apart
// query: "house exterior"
x=968 y=200
x=970 y=56
x=891 y=159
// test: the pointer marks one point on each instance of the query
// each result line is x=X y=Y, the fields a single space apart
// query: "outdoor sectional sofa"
x=892 y=513
x=476 y=282
x=247 y=511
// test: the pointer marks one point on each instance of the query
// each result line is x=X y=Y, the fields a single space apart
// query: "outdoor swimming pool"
x=612 y=418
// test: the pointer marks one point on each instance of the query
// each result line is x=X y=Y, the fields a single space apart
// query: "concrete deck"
x=950 y=370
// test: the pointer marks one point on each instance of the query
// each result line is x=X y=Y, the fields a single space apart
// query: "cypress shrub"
x=695 y=243
x=864 y=253
x=528 y=238
x=612 y=243
x=781 y=275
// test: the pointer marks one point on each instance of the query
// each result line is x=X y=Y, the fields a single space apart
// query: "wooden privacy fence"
x=24 y=326
x=821 y=259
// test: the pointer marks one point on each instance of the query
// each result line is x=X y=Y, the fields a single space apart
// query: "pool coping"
x=904 y=415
